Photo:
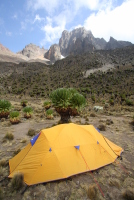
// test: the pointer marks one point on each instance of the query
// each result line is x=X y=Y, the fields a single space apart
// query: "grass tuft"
x=92 y=191
x=128 y=194
x=102 y=127
x=3 y=163
x=17 y=181
x=9 y=136
x=31 y=132
x=1 y=193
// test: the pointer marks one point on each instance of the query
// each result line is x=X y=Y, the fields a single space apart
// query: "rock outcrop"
x=33 y=51
x=53 y=53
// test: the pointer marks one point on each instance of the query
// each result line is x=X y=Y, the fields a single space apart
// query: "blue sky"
x=42 y=21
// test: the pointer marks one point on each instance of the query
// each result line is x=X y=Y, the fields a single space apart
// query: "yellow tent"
x=62 y=151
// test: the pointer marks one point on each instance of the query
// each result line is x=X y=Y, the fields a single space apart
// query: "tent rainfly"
x=62 y=151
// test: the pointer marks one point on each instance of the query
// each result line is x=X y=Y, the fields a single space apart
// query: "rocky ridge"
x=31 y=53
x=80 y=41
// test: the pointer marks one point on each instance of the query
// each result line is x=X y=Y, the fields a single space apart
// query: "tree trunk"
x=65 y=115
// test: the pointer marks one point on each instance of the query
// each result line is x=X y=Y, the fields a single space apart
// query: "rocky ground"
x=116 y=180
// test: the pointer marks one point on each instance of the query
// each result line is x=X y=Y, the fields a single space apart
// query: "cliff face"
x=53 y=53
x=79 y=39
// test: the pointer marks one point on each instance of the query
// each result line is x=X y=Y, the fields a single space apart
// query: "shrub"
x=67 y=102
x=49 y=114
x=14 y=117
x=47 y=104
x=17 y=181
x=27 y=112
x=24 y=103
x=4 y=108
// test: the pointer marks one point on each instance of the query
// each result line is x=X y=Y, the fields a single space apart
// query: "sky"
x=42 y=22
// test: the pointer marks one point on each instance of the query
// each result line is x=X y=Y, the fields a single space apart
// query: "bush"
x=14 y=117
x=14 y=114
x=5 y=105
x=24 y=103
x=27 y=112
x=67 y=102
x=17 y=181
x=49 y=112
x=65 y=98
x=4 y=108
x=47 y=104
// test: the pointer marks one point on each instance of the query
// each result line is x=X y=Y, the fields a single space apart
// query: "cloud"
x=116 y=22
x=52 y=33
x=8 y=33
x=51 y=5
x=48 y=5
x=38 y=18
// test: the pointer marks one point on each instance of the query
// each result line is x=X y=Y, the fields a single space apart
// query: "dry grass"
x=102 y=127
x=16 y=152
x=31 y=132
x=128 y=194
x=17 y=181
x=114 y=182
x=92 y=115
x=23 y=141
x=92 y=192
x=9 y=136
x=109 y=122
x=3 y=163
x=1 y=194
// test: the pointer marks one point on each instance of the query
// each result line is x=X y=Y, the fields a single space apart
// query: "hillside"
x=114 y=75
